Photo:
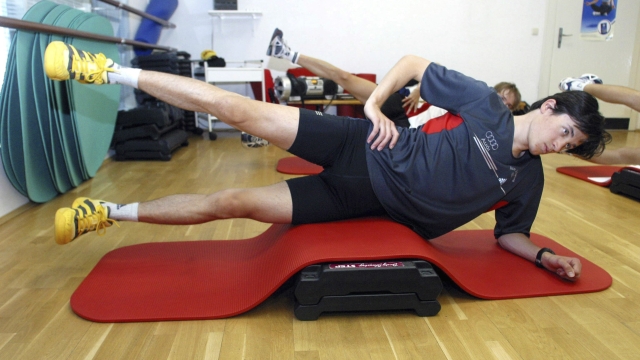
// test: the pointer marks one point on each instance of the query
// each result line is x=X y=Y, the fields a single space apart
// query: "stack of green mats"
x=54 y=135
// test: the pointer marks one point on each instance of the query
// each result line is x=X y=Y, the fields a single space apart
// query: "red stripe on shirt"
x=498 y=205
x=447 y=121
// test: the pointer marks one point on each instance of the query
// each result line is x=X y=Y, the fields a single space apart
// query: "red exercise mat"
x=296 y=166
x=598 y=174
x=217 y=279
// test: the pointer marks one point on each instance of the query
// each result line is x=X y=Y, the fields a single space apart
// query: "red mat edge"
x=580 y=172
x=294 y=165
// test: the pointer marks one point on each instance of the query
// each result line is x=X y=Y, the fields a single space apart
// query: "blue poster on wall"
x=598 y=19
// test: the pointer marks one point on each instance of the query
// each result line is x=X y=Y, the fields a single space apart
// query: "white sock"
x=579 y=85
x=124 y=75
x=292 y=56
x=127 y=212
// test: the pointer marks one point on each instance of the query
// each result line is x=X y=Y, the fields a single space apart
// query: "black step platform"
x=626 y=182
x=368 y=302
x=367 y=286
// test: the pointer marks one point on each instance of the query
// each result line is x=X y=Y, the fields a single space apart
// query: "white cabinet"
x=216 y=75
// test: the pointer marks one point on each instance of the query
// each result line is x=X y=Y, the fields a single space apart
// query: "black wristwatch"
x=539 y=256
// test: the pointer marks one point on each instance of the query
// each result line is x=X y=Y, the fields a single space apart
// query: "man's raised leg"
x=277 y=124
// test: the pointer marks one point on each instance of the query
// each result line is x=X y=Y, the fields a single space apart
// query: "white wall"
x=634 y=82
x=490 y=41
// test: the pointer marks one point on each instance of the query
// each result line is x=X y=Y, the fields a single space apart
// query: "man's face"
x=508 y=98
x=554 y=133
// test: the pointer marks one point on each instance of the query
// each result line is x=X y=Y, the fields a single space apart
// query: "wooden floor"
x=37 y=278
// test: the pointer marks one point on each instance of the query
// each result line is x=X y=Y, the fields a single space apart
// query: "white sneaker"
x=591 y=77
x=279 y=49
x=578 y=84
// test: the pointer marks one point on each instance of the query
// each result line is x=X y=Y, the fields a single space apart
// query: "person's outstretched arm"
x=615 y=94
x=626 y=155
x=568 y=268
x=384 y=131
x=358 y=87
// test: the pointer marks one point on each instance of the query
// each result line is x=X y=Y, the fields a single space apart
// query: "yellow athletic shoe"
x=63 y=62
x=83 y=216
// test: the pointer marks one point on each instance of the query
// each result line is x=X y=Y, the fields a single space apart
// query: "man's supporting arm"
x=568 y=268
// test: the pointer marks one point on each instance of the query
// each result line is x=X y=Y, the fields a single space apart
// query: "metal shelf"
x=235 y=14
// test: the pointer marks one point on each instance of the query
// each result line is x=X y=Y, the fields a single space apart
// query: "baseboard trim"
x=616 y=123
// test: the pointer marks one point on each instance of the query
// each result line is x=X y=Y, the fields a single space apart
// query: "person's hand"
x=568 y=268
x=384 y=130
x=412 y=102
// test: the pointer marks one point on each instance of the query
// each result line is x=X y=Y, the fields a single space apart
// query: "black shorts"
x=343 y=189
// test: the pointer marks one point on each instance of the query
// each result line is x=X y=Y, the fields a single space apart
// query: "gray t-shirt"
x=447 y=172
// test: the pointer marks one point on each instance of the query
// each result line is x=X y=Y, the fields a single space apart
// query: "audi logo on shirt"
x=489 y=141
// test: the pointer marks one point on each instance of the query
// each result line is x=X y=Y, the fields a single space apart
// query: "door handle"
x=561 y=34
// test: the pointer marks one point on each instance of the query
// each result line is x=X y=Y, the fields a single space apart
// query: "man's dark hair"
x=583 y=109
